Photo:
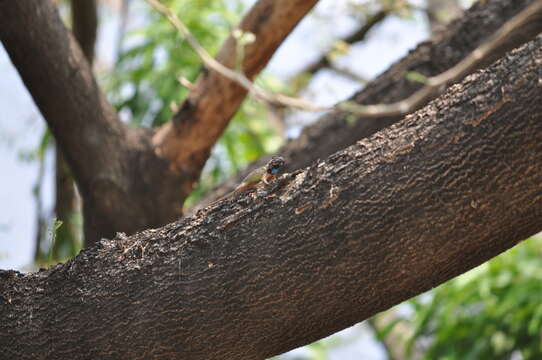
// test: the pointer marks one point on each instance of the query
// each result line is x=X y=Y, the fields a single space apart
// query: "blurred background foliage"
x=491 y=312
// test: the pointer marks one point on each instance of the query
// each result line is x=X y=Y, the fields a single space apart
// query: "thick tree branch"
x=430 y=59
x=187 y=140
x=439 y=193
x=337 y=130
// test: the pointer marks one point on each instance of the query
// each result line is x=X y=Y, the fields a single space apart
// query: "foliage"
x=145 y=79
x=491 y=312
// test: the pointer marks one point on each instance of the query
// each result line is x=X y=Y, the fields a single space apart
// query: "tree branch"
x=106 y=157
x=187 y=140
x=316 y=251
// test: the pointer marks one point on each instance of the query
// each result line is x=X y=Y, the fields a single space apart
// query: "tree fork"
x=186 y=141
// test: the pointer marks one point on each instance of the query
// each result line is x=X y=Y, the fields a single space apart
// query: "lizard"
x=255 y=178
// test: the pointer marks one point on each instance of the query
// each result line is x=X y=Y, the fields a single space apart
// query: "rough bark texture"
x=334 y=131
x=50 y=61
x=392 y=216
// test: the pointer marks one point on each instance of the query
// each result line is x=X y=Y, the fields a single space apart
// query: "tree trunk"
x=319 y=250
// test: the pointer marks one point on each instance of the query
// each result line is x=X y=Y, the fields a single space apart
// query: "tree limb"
x=116 y=167
x=530 y=15
x=430 y=59
x=392 y=216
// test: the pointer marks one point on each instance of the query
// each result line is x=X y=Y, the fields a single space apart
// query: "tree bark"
x=336 y=130
x=85 y=25
x=439 y=193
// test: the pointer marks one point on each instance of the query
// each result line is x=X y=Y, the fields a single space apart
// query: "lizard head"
x=275 y=164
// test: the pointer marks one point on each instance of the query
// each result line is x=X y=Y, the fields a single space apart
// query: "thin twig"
x=403 y=107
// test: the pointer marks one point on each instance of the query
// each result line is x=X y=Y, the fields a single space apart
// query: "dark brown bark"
x=392 y=216
x=114 y=165
x=50 y=62
x=337 y=130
